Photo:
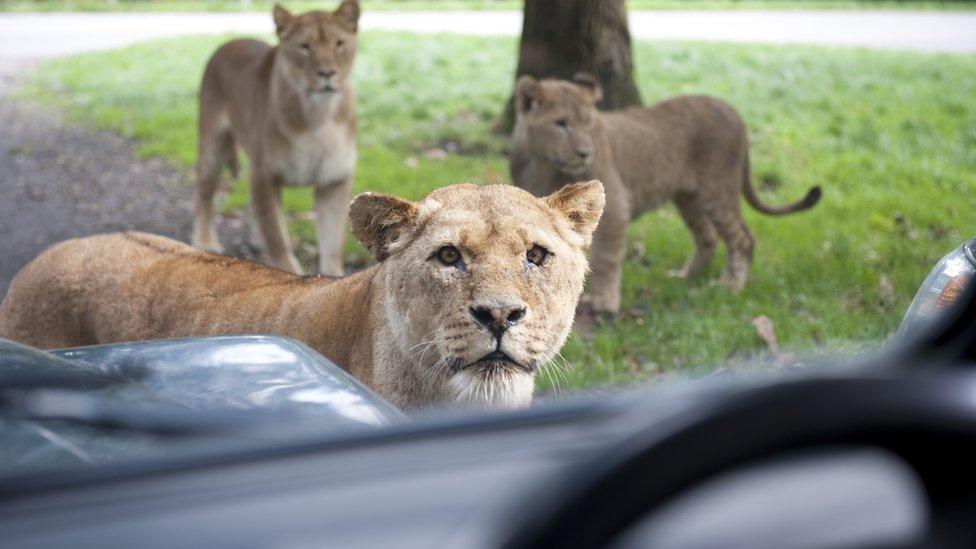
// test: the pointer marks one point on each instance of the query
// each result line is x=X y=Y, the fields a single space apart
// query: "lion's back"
x=667 y=147
x=73 y=291
x=682 y=118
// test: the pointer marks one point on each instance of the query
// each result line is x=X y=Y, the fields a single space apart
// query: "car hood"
x=109 y=402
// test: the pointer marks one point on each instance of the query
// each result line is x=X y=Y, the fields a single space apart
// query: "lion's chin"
x=573 y=170
x=496 y=387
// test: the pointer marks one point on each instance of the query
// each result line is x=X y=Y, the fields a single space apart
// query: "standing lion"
x=291 y=108
x=691 y=150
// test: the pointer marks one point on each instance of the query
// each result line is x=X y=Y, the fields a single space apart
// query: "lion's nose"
x=498 y=318
x=583 y=153
x=326 y=73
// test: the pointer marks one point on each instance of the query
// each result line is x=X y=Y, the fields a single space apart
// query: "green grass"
x=890 y=137
x=376 y=5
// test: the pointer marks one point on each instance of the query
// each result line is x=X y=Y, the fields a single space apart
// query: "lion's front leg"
x=270 y=219
x=331 y=214
x=607 y=256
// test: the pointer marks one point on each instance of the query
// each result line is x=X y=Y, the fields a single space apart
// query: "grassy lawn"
x=264 y=5
x=890 y=137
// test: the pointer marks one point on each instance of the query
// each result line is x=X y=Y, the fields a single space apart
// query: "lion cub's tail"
x=805 y=203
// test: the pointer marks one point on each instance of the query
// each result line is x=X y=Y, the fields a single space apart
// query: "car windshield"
x=663 y=191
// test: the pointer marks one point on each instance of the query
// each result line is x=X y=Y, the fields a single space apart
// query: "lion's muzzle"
x=498 y=318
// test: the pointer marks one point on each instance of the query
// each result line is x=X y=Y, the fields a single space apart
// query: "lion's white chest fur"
x=319 y=157
x=502 y=389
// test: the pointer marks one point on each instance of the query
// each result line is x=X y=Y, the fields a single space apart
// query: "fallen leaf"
x=436 y=154
x=886 y=288
x=765 y=330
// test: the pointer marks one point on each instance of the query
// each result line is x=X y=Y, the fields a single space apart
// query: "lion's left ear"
x=582 y=204
x=348 y=12
x=590 y=85
x=378 y=220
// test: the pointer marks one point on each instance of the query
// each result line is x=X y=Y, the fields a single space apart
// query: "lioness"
x=692 y=150
x=291 y=109
x=475 y=290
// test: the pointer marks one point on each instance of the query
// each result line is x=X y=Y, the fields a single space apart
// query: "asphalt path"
x=45 y=35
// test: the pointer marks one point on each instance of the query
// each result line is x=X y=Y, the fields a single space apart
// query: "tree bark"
x=563 y=37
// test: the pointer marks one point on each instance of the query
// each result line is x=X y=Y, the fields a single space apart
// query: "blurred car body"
x=259 y=442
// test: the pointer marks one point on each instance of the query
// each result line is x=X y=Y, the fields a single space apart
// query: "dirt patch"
x=60 y=181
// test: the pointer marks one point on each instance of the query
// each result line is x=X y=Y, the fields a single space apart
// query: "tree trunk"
x=563 y=37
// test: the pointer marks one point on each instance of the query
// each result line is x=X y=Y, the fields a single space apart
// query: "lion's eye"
x=306 y=48
x=562 y=123
x=339 y=43
x=448 y=255
x=537 y=255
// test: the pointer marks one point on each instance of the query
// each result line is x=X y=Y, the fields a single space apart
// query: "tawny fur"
x=404 y=326
x=291 y=108
x=691 y=150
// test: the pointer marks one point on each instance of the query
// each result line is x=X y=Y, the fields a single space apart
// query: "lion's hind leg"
x=702 y=231
x=42 y=307
x=739 y=241
x=216 y=150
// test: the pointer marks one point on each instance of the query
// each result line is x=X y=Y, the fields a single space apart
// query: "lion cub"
x=692 y=150
x=475 y=291
x=291 y=109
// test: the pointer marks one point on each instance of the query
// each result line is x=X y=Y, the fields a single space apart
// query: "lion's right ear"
x=282 y=19
x=378 y=220
x=582 y=204
x=526 y=93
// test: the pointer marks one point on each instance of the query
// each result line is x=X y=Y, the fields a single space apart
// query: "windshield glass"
x=663 y=191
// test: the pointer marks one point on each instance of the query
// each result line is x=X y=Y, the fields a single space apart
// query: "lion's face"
x=556 y=121
x=318 y=48
x=481 y=283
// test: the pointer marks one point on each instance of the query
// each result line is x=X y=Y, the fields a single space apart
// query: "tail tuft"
x=812 y=197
